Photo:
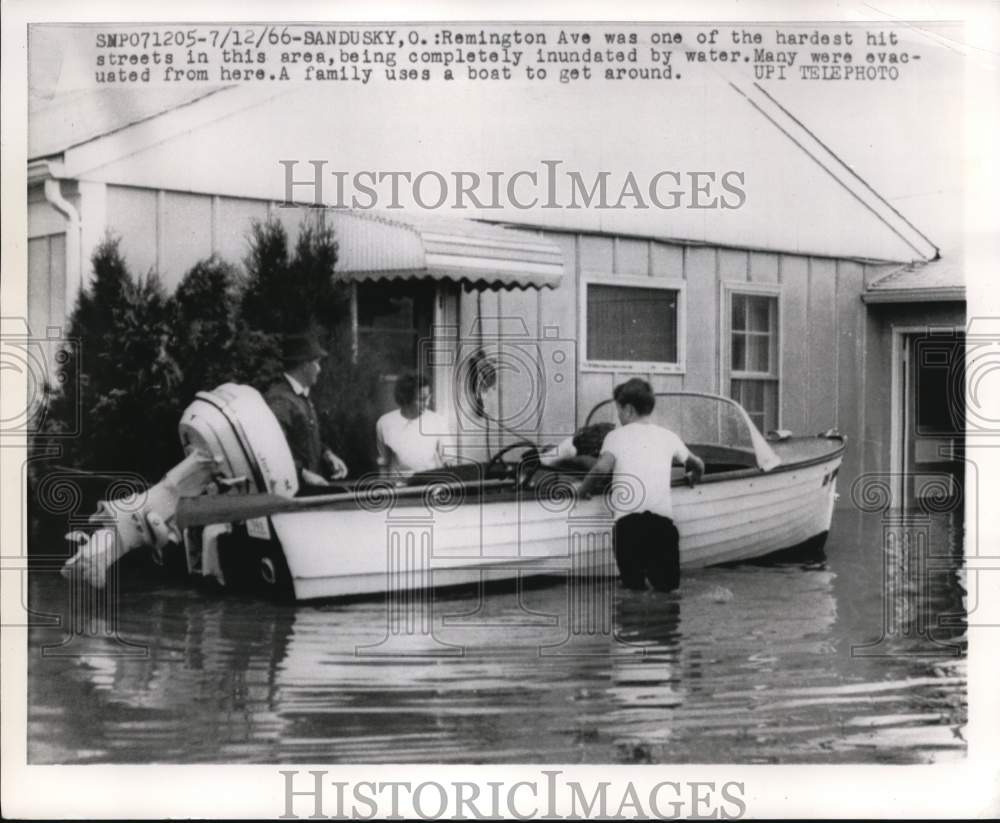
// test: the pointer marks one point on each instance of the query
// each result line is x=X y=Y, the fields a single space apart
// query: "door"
x=933 y=409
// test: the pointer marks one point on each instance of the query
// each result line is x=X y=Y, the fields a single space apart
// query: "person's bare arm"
x=602 y=468
x=443 y=459
x=338 y=468
x=381 y=450
x=694 y=468
x=312 y=479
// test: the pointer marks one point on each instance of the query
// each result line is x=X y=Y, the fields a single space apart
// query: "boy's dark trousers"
x=646 y=546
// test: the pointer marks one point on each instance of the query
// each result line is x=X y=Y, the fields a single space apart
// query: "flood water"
x=858 y=658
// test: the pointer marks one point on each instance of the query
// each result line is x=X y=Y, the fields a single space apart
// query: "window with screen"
x=632 y=325
x=753 y=356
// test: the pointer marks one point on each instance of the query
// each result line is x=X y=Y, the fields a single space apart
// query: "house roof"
x=938 y=280
x=68 y=120
x=801 y=197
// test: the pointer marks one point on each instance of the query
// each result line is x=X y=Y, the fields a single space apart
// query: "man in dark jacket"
x=289 y=400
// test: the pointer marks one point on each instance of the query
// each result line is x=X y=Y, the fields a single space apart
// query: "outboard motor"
x=231 y=439
x=236 y=428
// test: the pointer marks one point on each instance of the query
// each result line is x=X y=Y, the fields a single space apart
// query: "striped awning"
x=375 y=246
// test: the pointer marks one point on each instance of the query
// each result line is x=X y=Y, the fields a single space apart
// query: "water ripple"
x=787 y=667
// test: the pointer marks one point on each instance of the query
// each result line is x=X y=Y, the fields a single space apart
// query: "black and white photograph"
x=485 y=412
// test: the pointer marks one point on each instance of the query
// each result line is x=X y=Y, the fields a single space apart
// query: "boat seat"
x=459 y=473
x=720 y=459
x=579 y=465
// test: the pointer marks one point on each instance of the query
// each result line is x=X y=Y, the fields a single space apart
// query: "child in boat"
x=579 y=452
x=640 y=454
x=412 y=438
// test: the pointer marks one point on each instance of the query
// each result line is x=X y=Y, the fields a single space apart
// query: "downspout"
x=354 y=322
x=54 y=197
x=479 y=329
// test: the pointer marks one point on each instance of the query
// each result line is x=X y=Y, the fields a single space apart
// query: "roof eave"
x=939 y=295
x=44 y=168
x=696 y=244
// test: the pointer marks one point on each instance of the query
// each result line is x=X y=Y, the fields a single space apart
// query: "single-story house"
x=817 y=306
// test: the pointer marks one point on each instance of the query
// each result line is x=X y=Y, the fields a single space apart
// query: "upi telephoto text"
x=312 y=795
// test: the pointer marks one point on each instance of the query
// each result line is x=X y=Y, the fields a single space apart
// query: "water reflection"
x=747 y=664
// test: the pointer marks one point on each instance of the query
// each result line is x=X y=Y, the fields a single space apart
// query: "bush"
x=292 y=293
x=287 y=294
x=209 y=337
x=128 y=381
x=344 y=397
x=203 y=326
x=145 y=355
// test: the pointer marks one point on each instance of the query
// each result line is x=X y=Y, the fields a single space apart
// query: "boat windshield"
x=716 y=428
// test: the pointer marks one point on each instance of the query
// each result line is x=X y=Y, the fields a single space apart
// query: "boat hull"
x=407 y=545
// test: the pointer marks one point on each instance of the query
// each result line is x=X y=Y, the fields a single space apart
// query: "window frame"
x=632 y=281
x=730 y=288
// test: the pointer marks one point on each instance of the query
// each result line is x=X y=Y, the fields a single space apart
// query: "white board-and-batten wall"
x=821 y=319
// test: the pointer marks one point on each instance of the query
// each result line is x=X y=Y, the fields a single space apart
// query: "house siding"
x=834 y=350
x=167 y=232
x=874 y=439
x=827 y=371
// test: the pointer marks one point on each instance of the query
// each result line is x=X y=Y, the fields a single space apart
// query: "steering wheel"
x=522 y=470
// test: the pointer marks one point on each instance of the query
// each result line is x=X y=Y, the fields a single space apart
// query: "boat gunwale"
x=782 y=466
x=353 y=493
x=515 y=493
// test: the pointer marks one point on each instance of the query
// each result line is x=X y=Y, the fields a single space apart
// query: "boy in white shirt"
x=411 y=439
x=641 y=455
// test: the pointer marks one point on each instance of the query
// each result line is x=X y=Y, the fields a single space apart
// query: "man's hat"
x=300 y=348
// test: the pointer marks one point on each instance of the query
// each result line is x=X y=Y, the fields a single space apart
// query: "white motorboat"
x=511 y=517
